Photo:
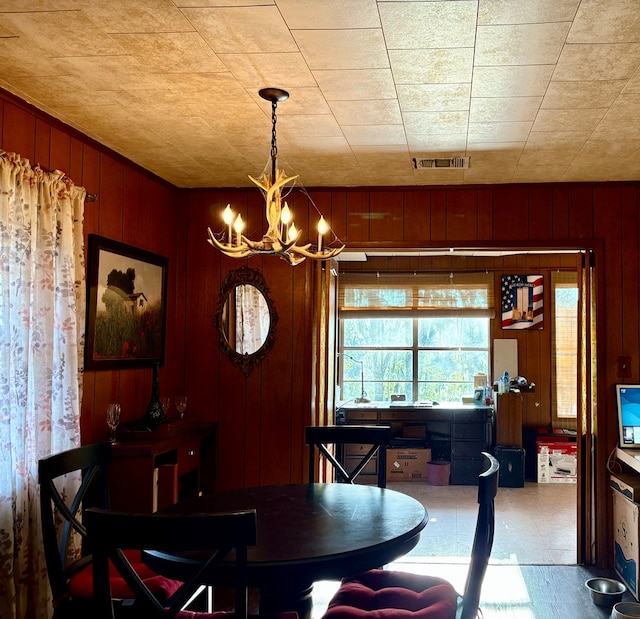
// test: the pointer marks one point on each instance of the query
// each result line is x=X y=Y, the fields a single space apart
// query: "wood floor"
x=532 y=573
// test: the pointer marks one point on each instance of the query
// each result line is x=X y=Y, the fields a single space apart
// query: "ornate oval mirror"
x=245 y=318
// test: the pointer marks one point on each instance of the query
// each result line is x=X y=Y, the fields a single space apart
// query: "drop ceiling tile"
x=579 y=120
x=557 y=140
x=576 y=95
x=420 y=25
x=120 y=16
x=434 y=97
x=256 y=71
x=504 y=109
x=539 y=174
x=310 y=14
x=309 y=125
x=60 y=34
x=434 y=66
x=109 y=72
x=499 y=131
x=534 y=157
x=598 y=21
x=306 y=146
x=343 y=49
x=354 y=84
x=367 y=112
x=529 y=12
x=374 y=134
x=601 y=150
x=242 y=30
x=511 y=81
x=597 y=62
x=527 y=44
x=171 y=52
x=445 y=144
x=435 y=123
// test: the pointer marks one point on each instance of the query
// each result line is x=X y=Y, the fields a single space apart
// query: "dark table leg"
x=286 y=596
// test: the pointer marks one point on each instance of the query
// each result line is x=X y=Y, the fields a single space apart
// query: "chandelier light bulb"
x=322 y=229
x=293 y=233
x=238 y=226
x=227 y=217
x=285 y=216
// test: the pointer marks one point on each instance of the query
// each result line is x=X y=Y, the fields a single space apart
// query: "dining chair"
x=391 y=594
x=217 y=537
x=371 y=439
x=69 y=571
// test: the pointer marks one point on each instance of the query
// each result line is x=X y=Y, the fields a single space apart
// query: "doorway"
x=579 y=261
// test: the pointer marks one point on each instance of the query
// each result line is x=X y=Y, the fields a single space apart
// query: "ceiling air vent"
x=458 y=163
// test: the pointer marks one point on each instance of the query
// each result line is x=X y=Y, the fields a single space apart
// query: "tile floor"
x=535 y=526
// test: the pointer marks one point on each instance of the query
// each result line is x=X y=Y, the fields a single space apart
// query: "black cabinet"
x=458 y=433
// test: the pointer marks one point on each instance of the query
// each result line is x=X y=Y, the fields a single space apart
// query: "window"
x=565 y=344
x=421 y=336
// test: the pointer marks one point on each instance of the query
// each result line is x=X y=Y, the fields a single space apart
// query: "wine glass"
x=113 y=419
x=166 y=405
x=181 y=404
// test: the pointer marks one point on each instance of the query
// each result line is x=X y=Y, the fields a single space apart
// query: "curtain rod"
x=89 y=197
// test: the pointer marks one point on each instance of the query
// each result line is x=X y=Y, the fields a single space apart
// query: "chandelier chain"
x=274 y=142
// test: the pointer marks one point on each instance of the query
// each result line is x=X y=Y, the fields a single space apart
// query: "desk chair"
x=388 y=594
x=219 y=536
x=376 y=437
x=71 y=577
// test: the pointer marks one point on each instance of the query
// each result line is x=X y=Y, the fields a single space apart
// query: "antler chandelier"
x=282 y=235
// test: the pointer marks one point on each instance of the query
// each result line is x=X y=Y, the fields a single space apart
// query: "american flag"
x=522 y=302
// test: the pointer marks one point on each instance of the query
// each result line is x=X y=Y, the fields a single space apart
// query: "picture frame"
x=126 y=306
x=522 y=302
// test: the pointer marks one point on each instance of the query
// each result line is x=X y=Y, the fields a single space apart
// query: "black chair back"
x=214 y=536
x=322 y=437
x=483 y=539
x=91 y=461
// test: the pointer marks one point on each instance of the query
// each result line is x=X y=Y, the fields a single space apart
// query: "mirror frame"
x=238 y=277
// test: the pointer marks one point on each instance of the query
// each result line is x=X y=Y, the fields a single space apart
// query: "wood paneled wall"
x=262 y=417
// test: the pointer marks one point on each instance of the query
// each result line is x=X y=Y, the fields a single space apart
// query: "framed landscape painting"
x=126 y=305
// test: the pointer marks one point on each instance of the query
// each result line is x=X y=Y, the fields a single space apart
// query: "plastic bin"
x=511 y=460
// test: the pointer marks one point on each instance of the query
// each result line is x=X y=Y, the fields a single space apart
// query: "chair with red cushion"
x=389 y=594
x=212 y=539
x=71 y=577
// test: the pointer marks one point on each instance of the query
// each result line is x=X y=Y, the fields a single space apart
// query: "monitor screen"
x=628 y=400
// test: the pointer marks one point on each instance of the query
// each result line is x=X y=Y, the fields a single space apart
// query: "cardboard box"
x=557 y=463
x=407 y=464
x=627 y=484
x=625 y=541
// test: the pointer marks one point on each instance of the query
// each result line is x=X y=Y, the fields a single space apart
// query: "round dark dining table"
x=312 y=532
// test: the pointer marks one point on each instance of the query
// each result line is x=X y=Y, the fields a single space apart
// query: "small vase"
x=154 y=415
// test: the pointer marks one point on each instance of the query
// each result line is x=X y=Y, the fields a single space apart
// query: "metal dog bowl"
x=605 y=591
x=625 y=610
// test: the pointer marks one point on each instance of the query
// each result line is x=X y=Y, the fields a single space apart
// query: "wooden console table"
x=152 y=470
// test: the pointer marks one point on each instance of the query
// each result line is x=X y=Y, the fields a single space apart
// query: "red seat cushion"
x=382 y=594
x=81 y=583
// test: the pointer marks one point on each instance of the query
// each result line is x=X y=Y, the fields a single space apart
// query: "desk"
x=458 y=433
x=310 y=532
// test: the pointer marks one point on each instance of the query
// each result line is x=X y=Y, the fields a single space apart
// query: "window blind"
x=462 y=293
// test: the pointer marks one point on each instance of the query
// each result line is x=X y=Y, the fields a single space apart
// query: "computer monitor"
x=628 y=401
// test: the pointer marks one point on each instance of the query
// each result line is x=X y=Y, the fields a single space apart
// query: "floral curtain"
x=42 y=308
